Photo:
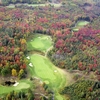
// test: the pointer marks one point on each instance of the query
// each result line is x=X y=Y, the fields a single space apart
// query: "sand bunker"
x=28 y=57
x=16 y=83
x=30 y=64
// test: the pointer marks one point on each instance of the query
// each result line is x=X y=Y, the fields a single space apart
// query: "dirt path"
x=69 y=76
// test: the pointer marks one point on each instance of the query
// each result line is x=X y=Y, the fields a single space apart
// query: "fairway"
x=44 y=69
x=23 y=84
x=47 y=72
x=79 y=25
x=82 y=23
x=40 y=42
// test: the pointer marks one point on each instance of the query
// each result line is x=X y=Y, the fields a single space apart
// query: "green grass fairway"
x=82 y=23
x=40 y=42
x=44 y=69
x=23 y=84
x=79 y=25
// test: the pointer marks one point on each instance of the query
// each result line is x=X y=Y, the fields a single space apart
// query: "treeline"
x=77 y=50
x=12 y=53
x=7 y=2
x=21 y=95
x=83 y=90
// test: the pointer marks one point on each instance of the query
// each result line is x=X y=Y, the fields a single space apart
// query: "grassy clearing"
x=40 y=42
x=23 y=84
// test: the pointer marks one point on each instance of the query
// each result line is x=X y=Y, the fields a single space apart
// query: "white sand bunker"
x=30 y=64
x=55 y=71
x=16 y=83
x=28 y=57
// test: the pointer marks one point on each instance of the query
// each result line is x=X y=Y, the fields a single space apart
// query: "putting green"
x=40 y=42
x=23 y=84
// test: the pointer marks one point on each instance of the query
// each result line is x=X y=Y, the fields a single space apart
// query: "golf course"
x=41 y=67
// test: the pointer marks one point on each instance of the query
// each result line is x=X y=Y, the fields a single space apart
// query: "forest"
x=7 y=2
x=73 y=50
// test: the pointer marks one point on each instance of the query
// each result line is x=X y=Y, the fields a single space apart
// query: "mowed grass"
x=43 y=67
x=40 y=42
x=79 y=25
x=46 y=71
x=82 y=23
x=23 y=85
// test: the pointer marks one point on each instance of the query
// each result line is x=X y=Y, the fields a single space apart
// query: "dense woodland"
x=72 y=50
x=83 y=90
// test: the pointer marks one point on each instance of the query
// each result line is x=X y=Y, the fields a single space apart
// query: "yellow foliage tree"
x=14 y=72
x=23 y=41
x=21 y=73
